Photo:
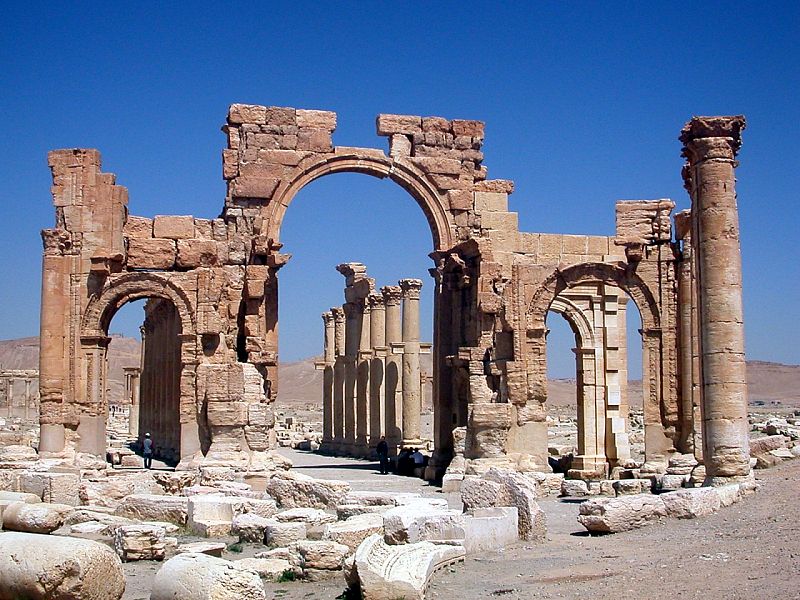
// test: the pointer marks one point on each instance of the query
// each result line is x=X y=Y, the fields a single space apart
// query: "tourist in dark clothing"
x=383 y=455
x=147 y=450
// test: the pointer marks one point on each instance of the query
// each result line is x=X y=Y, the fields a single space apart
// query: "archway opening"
x=602 y=333
x=350 y=218
x=142 y=383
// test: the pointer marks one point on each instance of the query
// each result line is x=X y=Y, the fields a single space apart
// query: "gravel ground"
x=749 y=550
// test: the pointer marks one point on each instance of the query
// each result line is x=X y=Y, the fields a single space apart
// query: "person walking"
x=383 y=455
x=147 y=450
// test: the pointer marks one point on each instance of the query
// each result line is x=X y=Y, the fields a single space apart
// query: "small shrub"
x=235 y=547
x=287 y=575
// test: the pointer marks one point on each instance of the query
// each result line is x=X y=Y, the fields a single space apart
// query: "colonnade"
x=371 y=366
x=159 y=406
x=25 y=407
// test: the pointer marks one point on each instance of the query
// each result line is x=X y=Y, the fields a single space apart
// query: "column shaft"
x=710 y=145
x=412 y=398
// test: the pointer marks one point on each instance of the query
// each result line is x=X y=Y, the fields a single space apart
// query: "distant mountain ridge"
x=300 y=384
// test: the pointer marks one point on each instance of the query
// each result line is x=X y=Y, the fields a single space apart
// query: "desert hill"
x=769 y=384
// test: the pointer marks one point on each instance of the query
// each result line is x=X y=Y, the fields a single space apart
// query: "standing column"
x=338 y=377
x=329 y=357
x=27 y=398
x=352 y=336
x=362 y=381
x=377 y=333
x=412 y=398
x=710 y=147
x=393 y=399
x=683 y=226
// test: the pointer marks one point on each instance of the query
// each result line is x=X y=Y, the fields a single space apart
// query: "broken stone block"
x=479 y=493
x=43 y=566
x=345 y=511
x=211 y=515
x=487 y=529
x=59 y=488
x=283 y=534
x=400 y=571
x=520 y=491
x=296 y=490
x=210 y=548
x=681 y=464
x=417 y=523
x=630 y=487
x=249 y=527
x=310 y=516
x=154 y=507
x=269 y=569
x=35 y=518
x=691 y=503
x=111 y=491
x=195 y=576
x=318 y=560
x=354 y=530
x=729 y=494
x=88 y=528
x=139 y=542
x=612 y=515
x=7 y=498
x=574 y=488
x=673 y=482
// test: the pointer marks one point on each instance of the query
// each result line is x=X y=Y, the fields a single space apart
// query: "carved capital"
x=338 y=314
x=328 y=317
x=706 y=138
x=375 y=301
x=410 y=288
x=57 y=242
x=392 y=294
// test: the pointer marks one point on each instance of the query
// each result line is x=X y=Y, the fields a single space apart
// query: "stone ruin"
x=372 y=382
x=208 y=375
x=212 y=315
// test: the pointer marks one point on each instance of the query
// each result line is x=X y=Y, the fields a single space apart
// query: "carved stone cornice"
x=706 y=138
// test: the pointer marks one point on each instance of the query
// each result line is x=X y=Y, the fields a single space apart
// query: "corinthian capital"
x=411 y=288
x=707 y=138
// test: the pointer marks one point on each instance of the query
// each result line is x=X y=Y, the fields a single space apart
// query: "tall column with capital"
x=329 y=357
x=377 y=332
x=393 y=388
x=338 y=376
x=352 y=314
x=710 y=145
x=412 y=397
x=362 y=381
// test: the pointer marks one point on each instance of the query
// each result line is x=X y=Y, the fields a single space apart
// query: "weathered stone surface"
x=139 y=542
x=111 y=491
x=46 y=567
x=487 y=529
x=400 y=571
x=612 y=515
x=209 y=548
x=310 y=516
x=295 y=490
x=151 y=253
x=520 y=491
x=691 y=503
x=417 y=523
x=173 y=227
x=479 y=493
x=574 y=488
x=151 y=507
x=283 y=534
x=319 y=555
x=35 y=518
x=59 y=488
x=269 y=569
x=354 y=530
x=194 y=576
x=629 y=487
x=249 y=527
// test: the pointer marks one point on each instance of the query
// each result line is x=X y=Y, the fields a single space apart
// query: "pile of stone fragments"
x=67 y=533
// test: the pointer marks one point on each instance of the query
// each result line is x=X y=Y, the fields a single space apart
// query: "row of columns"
x=371 y=364
x=8 y=382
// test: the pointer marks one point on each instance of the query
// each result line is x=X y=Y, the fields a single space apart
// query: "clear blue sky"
x=583 y=104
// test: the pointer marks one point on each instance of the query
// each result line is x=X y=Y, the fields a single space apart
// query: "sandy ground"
x=749 y=550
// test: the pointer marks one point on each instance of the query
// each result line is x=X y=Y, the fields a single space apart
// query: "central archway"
x=375 y=164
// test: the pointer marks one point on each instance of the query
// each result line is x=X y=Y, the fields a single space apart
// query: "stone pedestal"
x=710 y=147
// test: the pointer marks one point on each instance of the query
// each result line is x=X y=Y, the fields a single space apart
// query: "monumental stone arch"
x=212 y=286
